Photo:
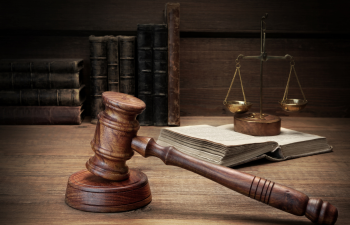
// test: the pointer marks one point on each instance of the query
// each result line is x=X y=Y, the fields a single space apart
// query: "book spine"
x=145 y=71
x=40 y=115
x=160 y=75
x=98 y=78
x=66 y=66
x=127 y=65
x=39 y=80
x=42 y=97
x=42 y=66
x=173 y=21
x=112 y=62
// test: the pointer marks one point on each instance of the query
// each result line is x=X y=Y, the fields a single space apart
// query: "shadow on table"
x=259 y=162
x=234 y=218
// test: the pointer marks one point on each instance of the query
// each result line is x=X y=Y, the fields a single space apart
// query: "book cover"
x=41 y=115
x=127 y=64
x=98 y=78
x=160 y=75
x=145 y=71
x=41 y=65
x=39 y=80
x=43 y=97
x=173 y=21
x=112 y=63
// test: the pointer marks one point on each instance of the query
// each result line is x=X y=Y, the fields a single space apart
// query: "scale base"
x=91 y=193
x=252 y=124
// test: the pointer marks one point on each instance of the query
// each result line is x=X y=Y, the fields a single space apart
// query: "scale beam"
x=265 y=57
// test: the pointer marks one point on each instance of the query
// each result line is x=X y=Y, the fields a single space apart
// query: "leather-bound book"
x=40 y=73
x=43 y=97
x=145 y=72
x=173 y=21
x=41 y=115
x=127 y=64
x=42 y=65
x=160 y=75
x=112 y=62
x=98 y=78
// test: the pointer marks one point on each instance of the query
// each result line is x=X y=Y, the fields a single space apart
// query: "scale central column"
x=258 y=124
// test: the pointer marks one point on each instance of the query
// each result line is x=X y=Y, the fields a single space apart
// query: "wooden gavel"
x=116 y=137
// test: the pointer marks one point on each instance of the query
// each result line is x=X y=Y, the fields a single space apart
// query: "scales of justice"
x=259 y=123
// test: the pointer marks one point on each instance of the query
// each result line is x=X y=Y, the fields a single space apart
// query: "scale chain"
x=292 y=63
x=238 y=66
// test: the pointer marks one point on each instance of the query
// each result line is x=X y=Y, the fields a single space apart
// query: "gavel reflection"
x=111 y=186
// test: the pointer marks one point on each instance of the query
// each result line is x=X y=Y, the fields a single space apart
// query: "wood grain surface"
x=115 y=128
x=205 y=16
x=36 y=162
x=212 y=34
x=257 y=125
x=173 y=22
x=91 y=193
x=207 y=68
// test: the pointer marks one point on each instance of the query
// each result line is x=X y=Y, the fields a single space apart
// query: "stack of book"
x=152 y=60
x=158 y=61
x=112 y=68
x=158 y=48
x=157 y=80
x=41 y=91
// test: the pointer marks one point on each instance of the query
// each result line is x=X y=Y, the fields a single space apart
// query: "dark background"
x=213 y=34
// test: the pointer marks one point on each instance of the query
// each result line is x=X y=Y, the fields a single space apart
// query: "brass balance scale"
x=261 y=124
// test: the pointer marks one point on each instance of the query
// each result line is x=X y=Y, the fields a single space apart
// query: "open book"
x=222 y=145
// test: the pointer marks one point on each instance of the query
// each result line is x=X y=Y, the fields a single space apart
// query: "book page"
x=286 y=137
x=222 y=136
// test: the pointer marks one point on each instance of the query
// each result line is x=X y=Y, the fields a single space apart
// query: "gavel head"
x=115 y=129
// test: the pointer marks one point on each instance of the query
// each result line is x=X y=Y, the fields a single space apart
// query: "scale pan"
x=293 y=105
x=238 y=106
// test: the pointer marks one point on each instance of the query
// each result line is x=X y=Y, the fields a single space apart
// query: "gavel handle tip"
x=321 y=212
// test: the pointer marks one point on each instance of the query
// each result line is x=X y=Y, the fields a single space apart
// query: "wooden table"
x=36 y=162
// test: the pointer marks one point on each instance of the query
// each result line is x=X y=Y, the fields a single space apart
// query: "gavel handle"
x=269 y=192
